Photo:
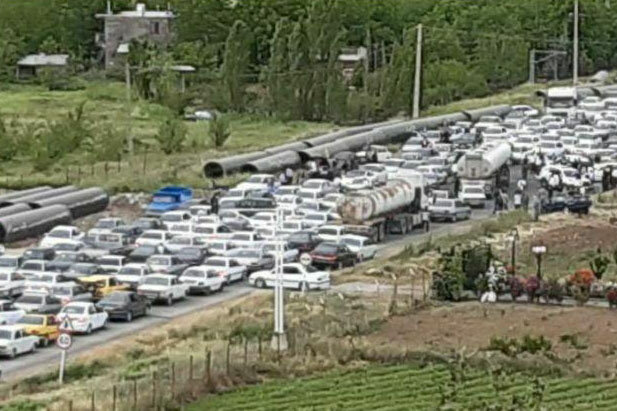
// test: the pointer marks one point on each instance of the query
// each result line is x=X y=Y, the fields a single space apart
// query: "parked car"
x=82 y=270
x=295 y=276
x=192 y=255
x=253 y=259
x=290 y=255
x=179 y=242
x=69 y=292
x=12 y=284
x=81 y=317
x=228 y=268
x=451 y=210
x=70 y=247
x=304 y=241
x=10 y=263
x=142 y=253
x=65 y=260
x=124 y=305
x=39 y=253
x=43 y=282
x=333 y=255
x=61 y=234
x=473 y=196
x=132 y=274
x=38 y=303
x=9 y=314
x=105 y=225
x=148 y=223
x=32 y=268
x=162 y=287
x=43 y=326
x=202 y=280
x=168 y=264
x=14 y=341
x=111 y=263
x=364 y=247
x=153 y=237
x=102 y=285
x=130 y=232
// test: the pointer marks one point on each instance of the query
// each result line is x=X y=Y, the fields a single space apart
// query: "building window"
x=155 y=27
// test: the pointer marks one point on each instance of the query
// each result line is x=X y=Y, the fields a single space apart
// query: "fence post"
x=70 y=405
x=92 y=406
x=153 y=389
x=145 y=159
x=67 y=174
x=191 y=367
x=246 y=351
x=92 y=169
x=209 y=365
x=119 y=165
x=21 y=181
x=106 y=168
x=78 y=173
x=259 y=346
x=113 y=398
x=227 y=359
x=135 y=394
x=173 y=380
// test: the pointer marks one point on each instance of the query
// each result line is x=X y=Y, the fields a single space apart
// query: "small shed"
x=28 y=66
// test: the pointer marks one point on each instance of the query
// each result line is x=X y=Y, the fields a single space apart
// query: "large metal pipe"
x=40 y=196
x=14 y=209
x=295 y=146
x=279 y=161
x=22 y=193
x=227 y=165
x=80 y=203
x=500 y=110
x=335 y=135
x=32 y=223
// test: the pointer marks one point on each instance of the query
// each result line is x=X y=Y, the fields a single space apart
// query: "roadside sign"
x=66 y=325
x=306 y=259
x=64 y=341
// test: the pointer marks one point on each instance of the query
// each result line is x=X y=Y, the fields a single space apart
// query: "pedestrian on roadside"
x=214 y=203
x=289 y=174
x=524 y=168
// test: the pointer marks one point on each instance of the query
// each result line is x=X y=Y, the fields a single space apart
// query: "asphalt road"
x=46 y=358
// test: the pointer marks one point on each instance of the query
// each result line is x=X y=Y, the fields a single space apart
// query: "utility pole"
x=279 y=340
x=575 y=51
x=417 y=74
x=532 y=66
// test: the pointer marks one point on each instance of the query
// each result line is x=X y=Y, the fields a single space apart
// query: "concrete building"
x=138 y=24
x=350 y=58
x=28 y=66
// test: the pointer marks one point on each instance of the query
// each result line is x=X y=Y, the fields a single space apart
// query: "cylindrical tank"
x=357 y=208
x=80 y=203
x=22 y=193
x=14 y=209
x=484 y=161
x=32 y=223
x=40 y=196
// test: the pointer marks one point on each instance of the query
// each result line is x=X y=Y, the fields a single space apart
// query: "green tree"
x=8 y=145
x=50 y=46
x=11 y=49
x=219 y=131
x=171 y=135
x=235 y=66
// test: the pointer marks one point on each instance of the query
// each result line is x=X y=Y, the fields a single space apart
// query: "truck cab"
x=168 y=199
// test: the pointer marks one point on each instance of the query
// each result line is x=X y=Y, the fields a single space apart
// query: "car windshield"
x=73 y=309
x=109 y=261
x=30 y=299
x=152 y=236
x=159 y=261
x=144 y=223
x=312 y=184
x=59 y=234
x=263 y=218
x=217 y=246
x=8 y=262
x=4 y=277
x=326 y=249
x=299 y=237
x=116 y=297
x=571 y=173
x=204 y=230
x=66 y=258
x=5 y=335
x=32 y=266
x=156 y=281
x=105 y=224
x=171 y=217
x=130 y=271
x=548 y=144
x=45 y=278
x=216 y=263
x=306 y=194
x=443 y=203
x=194 y=274
x=352 y=242
x=66 y=247
x=474 y=190
x=245 y=253
x=181 y=240
x=286 y=190
x=61 y=291
x=31 y=320
x=189 y=251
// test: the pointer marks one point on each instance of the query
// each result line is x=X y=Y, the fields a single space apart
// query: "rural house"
x=30 y=64
x=121 y=28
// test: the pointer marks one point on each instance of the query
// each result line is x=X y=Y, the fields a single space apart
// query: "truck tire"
x=260 y=283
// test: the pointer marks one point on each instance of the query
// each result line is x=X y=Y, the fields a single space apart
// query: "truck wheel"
x=170 y=300
x=260 y=283
x=303 y=286
x=89 y=329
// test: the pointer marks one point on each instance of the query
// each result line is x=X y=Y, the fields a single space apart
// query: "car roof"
x=79 y=304
x=136 y=265
x=161 y=275
x=95 y=278
x=355 y=237
x=11 y=327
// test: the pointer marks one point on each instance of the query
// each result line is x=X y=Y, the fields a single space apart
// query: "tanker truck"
x=395 y=208
x=486 y=165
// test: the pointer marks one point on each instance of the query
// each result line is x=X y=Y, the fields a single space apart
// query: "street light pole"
x=417 y=74
x=575 y=45
x=279 y=340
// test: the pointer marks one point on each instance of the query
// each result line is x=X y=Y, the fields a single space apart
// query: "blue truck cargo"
x=168 y=199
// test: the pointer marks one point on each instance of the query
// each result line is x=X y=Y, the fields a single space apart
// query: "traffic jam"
x=328 y=214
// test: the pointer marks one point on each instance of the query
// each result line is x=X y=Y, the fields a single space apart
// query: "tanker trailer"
x=395 y=208
x=487 y=165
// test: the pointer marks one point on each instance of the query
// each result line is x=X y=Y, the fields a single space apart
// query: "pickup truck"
x=168 y=199
x=14 y=341
x=62 y=234
x=162 y=287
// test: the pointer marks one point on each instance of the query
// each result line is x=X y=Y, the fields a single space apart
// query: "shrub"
x=171 y=135
x=533 y=345
x=516 y=287
x=553 y=290
x=532 y=287
x=582 y=277
x=219 y=131
x=611 y=297
x=599 y=264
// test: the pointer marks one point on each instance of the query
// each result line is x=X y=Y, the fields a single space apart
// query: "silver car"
x=449 y=210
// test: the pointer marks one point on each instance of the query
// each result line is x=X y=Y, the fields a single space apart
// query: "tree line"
x=280 y=57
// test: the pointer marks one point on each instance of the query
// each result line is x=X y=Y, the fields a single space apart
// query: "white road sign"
x=64 y=341
x=306 y=259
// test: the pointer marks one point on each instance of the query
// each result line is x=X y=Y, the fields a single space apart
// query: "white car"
x=290 y=255
x=246 y=239
x=209 y=219
x=162 y=287
x=451 y=210
x=9 y=314
x=331 y=233
x=9 y=263
x=257 y=182
x=43 y=282
x=62 y=234
x=263 y=219
x=202 y=280
x=290 y=190
x=528 y=111
x=376 y=173
x=319 y=185
x=473 y=196
x=495 y=134
x=14 y=341
x=177 y=216
x=153 y=237
x=218 y=247
x=355 y=184
x=212 y=231
x=570 y=177
x=362 y=246
x=132 y=274
x=199 y=210
x=254 y=259
x=332 y=200
x=295 y=276
x=552 y=149
x=81 y=317
x=314 y=220
x=12 y=284
x=485 y=122
x=382 y=153
x=32 y=268
x=241 y=193
x=111 y=263
x=288 y=202
x=176 y=229
x=433 y=174
x=587 y=149
x=228 y=268
x=105 y=225
x=178 y=243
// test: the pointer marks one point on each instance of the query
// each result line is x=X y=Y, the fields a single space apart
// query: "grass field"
x=406 y=387
x=106 y=106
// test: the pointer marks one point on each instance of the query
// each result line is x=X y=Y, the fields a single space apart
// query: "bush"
x=532 y=288
x=171 y=135
x=512 y=347
x=611 y=297
x=517 y=287
x=219 y=131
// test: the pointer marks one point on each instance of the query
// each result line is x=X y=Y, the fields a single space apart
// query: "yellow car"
x=102 y=285
x=43 y=326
